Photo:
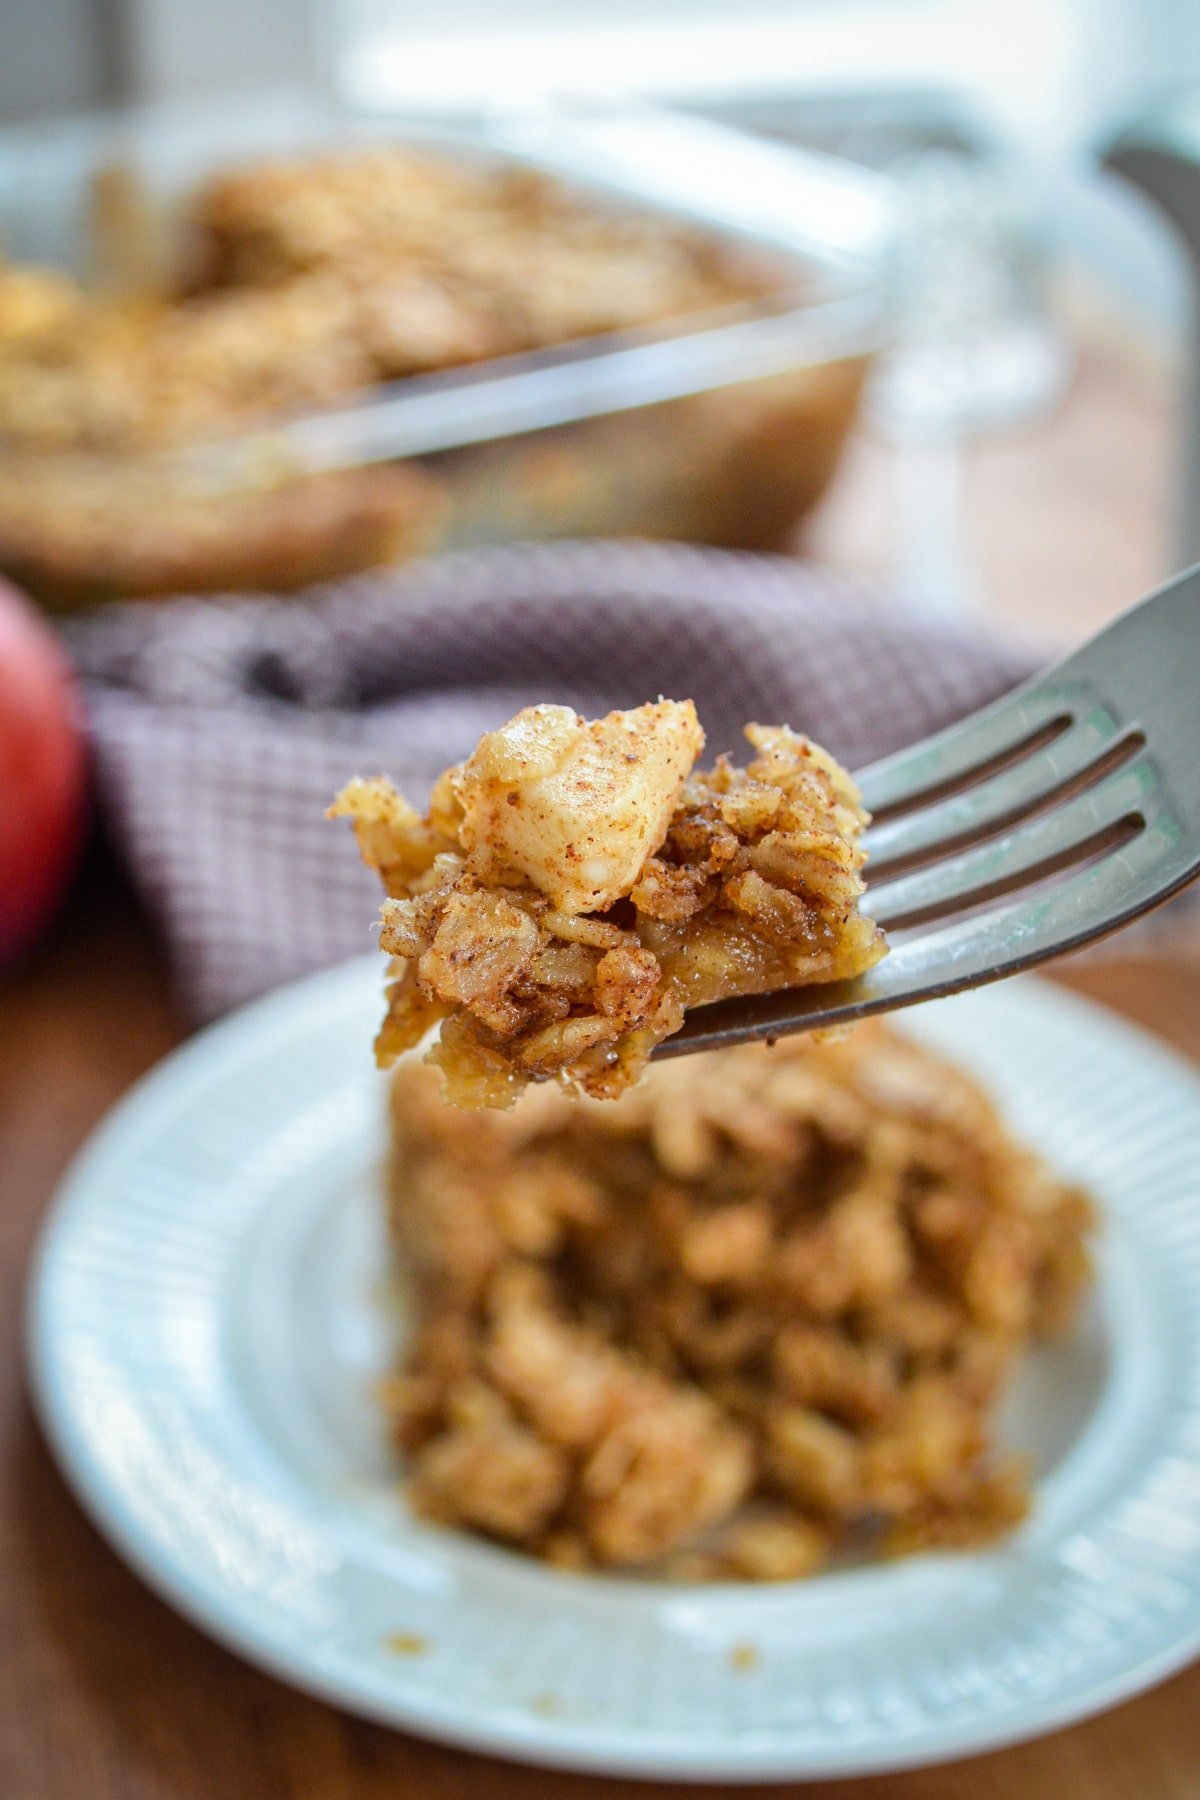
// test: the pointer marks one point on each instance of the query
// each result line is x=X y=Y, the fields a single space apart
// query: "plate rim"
x=506 y=1733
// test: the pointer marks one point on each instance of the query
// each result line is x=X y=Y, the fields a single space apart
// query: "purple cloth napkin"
x=222 y=728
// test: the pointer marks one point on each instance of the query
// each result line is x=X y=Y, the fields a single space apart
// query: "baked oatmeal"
x=516 y=259
x=754 y=1315
x=575 y=886
x=312 y=278
x=289 y=284
x=81 y=534
x=95 y=394
x=305 y=279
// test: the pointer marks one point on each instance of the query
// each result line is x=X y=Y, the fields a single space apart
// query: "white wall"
x=190 y=47
x=55 y=56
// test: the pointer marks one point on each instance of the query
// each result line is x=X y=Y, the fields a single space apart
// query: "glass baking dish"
x=719 y=427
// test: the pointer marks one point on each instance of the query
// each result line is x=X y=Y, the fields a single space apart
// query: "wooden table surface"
x=104 y=1693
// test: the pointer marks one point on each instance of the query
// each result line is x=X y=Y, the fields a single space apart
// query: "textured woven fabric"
x=223 y=727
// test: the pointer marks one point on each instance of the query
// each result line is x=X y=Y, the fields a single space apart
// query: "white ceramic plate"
x=207 y=1316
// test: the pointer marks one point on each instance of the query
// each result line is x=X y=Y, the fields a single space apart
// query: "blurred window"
x=1052 y=71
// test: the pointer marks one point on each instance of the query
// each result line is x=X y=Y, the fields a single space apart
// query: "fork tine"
x=965 y=952
x=1000 y=800
x=1143 y=665
x=963 y=751
x=1033 y=849
x=1085 y=904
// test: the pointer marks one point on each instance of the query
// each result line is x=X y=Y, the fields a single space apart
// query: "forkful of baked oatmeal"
x=581 y=895
x=576 y=886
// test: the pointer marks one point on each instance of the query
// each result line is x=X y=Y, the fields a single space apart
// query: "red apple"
x=43 y=786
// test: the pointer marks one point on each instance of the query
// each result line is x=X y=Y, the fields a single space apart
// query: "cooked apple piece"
x=575 y=886
x=575 y=806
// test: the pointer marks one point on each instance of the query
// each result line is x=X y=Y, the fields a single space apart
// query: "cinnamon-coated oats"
x=754 y=1314
x=575 y=886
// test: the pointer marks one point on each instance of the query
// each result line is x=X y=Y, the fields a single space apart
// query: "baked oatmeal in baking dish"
x=755 y=1315
x=156 y=403
x=576 y=885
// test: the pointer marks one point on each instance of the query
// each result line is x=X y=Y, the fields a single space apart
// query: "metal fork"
x=1052 y=817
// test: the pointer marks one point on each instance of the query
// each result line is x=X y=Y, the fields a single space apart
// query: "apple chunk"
x=575 y=807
